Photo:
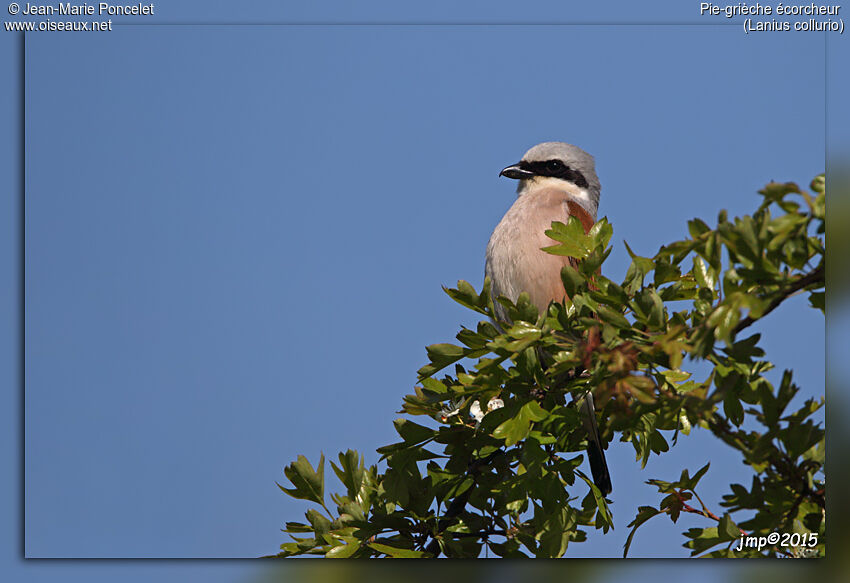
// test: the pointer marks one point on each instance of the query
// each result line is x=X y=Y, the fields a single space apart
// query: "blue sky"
x=236 y=238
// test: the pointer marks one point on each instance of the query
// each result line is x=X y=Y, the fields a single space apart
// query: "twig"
x=814 y=277
x=688 y=508
x=704 y=512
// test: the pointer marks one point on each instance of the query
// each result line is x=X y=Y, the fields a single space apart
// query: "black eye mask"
x=555 y=169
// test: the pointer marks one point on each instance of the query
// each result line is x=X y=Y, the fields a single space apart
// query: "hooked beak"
x=516 y=172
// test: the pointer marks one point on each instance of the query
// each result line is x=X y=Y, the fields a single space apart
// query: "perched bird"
x=556 y=181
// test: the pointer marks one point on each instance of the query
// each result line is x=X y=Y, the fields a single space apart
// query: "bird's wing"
x=576 y=210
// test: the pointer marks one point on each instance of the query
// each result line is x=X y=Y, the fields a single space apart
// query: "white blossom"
x=475 y=411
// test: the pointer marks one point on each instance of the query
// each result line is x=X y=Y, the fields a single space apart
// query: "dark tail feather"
x=595 y=453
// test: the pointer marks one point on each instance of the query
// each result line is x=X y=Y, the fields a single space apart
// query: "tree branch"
x=816 y=276
x=704 y=512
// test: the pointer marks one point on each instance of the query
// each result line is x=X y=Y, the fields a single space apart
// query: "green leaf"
x=644 y=513
x=676 y=376
x=466 y=296
x=702 y=274
x=472 y=339
x=572 y=240
x=513 y=430
x=665 y=272
x=412 y=432
x=445 y=352
x=657 y=443
x=534 y=411
x=593 y=262
x=292 y=527
x=396 y=552
x=723 y=319
x=744 y=350
x=684 y=422
x=775 y=191
x=343 y=551
x=517 y=428
x=702 y=539
x=309 y=483
x=397 y=483
x=610 y=293
x=441 y=356
x=688 y=483
x=649 y=309
x=727 y=529
x=555 y=533
x=600 y=233
x=434 y=385
x=603 y=515
x=697 y=227
x=350 y=472
x=321 y=525
x=573 y=280
x=733 y=409
x=638 y=269
x=613 y=317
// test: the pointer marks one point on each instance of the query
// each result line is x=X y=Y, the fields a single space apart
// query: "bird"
x=556 y=180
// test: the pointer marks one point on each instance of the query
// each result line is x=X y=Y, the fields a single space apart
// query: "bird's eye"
x=554 y=165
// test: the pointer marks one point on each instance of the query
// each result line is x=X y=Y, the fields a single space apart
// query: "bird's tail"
x=595 y=453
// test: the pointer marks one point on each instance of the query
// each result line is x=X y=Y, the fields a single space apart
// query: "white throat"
x=580 y=195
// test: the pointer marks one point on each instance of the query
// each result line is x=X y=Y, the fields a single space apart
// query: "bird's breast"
x=515 y=261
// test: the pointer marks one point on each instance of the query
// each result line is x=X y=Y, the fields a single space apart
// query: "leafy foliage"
x=500 y=467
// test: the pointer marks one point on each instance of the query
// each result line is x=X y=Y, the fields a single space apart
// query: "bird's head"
x=558 y=165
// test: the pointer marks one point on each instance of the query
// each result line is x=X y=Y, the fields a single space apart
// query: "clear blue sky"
x=236 y=237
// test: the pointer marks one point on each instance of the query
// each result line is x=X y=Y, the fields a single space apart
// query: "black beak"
x=514 y=171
